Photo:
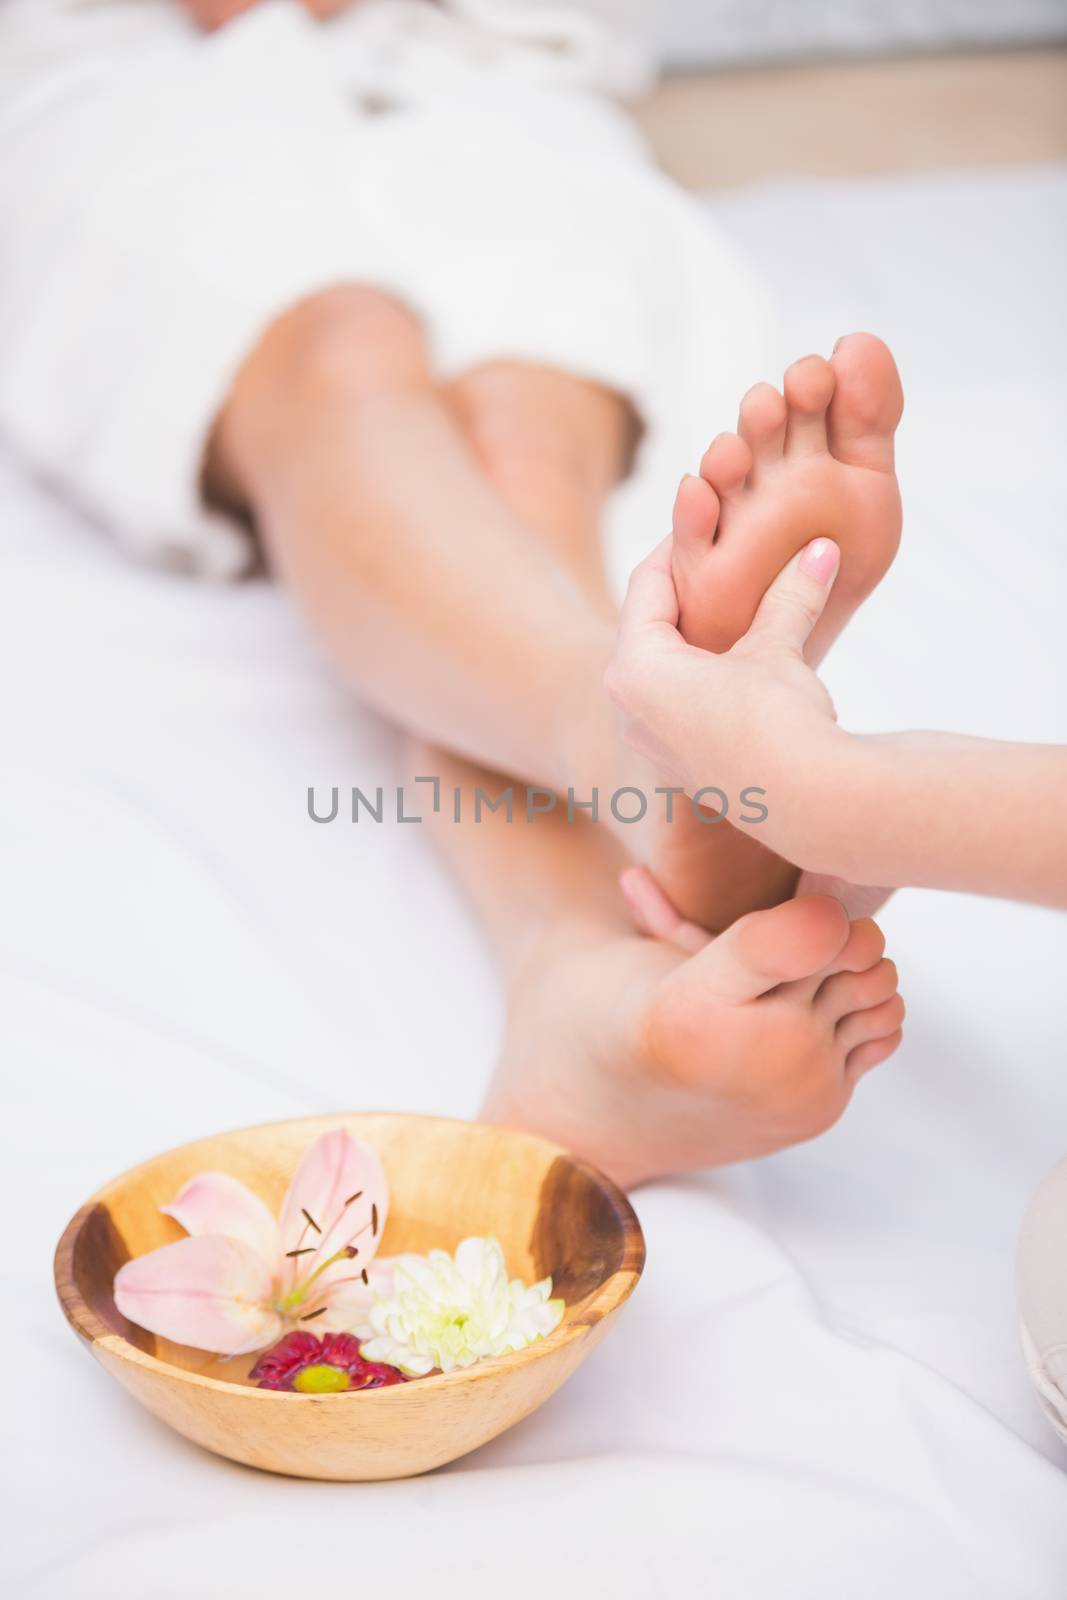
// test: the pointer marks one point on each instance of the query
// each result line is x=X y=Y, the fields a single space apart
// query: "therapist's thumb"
x=794 y=602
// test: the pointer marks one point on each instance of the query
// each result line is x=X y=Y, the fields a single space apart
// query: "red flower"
x=330 y=1365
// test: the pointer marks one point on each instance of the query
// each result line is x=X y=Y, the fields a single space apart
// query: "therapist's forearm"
x=928 y=810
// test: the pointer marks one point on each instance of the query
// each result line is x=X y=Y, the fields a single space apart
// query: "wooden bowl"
x=553 y=1214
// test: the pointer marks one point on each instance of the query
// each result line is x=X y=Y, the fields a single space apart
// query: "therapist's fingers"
x=794 y=602
x=655 y=914
x=651 y=604
x=648 y=622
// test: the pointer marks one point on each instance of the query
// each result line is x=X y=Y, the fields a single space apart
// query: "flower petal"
x=213 y=1202
x=449 y=1313
x=480 y=1261
x=276 y=1366
x=352 y=1301
x=211 y=1293
x=390 y=1353
x=340 y=1185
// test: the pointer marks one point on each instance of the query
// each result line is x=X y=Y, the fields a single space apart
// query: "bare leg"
x=554 y=448
x=620 y=1046
x=424 y=542
x=364 y=487
x=446 y=553
x=429 y=593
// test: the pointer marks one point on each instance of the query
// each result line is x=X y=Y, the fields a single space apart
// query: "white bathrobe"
x=164 y=194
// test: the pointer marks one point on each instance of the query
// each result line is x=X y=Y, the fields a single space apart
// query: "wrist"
x=818 y=793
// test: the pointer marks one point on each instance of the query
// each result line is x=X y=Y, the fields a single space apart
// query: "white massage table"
x=817 y=1391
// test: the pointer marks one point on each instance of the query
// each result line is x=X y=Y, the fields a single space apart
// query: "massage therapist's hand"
x=756 y=715
x=213 y=14
x=935 y=810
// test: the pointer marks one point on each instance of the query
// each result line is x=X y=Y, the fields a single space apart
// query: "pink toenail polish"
x=819 y=560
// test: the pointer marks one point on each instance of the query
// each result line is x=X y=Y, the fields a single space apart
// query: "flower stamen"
x=301 y=1291
x=240 y=1275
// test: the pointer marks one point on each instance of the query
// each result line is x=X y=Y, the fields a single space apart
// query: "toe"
x=876 y=1022
x=761 y=423
x=862 y=949
x=871 y=1054
x=809 y=384
x=857 y=991
x=867 y=402
x=696 y=514
x=865 y=946
x=726 y=464
x=768 y=948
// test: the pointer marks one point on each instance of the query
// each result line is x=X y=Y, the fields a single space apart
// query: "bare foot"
x=818 y=460
x=649 y=1062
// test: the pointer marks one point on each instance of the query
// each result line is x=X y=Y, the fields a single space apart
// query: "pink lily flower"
x=242 y=1278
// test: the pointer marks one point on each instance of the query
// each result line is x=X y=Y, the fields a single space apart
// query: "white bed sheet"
x=818 y=1389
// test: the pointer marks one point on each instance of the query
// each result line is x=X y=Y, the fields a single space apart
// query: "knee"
x=346 y=346
x=351 y=340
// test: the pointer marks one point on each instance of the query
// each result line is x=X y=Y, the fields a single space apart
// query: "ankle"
x=556 y=939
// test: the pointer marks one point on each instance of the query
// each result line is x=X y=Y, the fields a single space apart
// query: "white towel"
x=164 y=194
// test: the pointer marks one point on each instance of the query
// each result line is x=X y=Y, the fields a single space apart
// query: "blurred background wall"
x=707 y=33
x=762 y=89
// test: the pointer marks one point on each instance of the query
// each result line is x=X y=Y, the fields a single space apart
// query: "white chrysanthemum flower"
x=445 y=1312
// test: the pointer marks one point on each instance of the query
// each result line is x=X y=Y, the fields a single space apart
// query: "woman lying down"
x=385 y=300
